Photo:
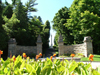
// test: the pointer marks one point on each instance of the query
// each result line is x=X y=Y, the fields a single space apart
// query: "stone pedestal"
x=39 y=45
x=60 y=45
x=88 y=43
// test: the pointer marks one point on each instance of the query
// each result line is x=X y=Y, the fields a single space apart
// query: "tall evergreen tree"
x=34 y=29
x=8 y=11
x=29 y=6
x=9 y=24
x=46 y=34
x=0 y=13
x=21 y=14
x=3 y=36
x=21 y=27
x=40 y=19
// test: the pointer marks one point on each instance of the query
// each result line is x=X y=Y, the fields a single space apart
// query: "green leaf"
x=95 y=72
x=1 y=72
x=22 y=65
x=16 y=71
x=6 y=70
x=83 y=71
x=72 y=66
x=33 y=72
x=45 y=70
x=2 y=60
x=38 y=70
x=17 y=64
x=60 y=68
x=99 y=69
x=30 y=69
x=66 y=72
x=25 y=74
x=6 y=62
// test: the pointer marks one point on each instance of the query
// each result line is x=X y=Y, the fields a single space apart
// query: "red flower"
x=72 y=55
x=14 y=58
x=24 y=55
x=51 y=57
x=37 y=56
x=40 y=54
x=54 y=55
x=91 y=57
x=1 y=52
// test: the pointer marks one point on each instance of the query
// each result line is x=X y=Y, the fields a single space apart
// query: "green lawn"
x=95 y=58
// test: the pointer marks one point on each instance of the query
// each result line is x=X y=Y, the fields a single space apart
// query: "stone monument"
x=51 y=42
x=39 y=44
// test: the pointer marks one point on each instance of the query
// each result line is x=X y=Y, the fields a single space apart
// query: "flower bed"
x=26 y=66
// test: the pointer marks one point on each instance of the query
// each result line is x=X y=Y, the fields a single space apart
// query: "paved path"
x=94 y=64
x=49 y=52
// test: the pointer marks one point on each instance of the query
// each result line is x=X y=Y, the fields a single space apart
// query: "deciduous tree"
x=59 y=21
x=85 y=21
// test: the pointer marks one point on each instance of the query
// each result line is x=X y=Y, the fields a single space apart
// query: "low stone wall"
x=85 y=48
x=78 y=48
x=15 y=49
x=26 y=49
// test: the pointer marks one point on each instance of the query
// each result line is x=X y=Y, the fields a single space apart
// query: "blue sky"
x=47 y=10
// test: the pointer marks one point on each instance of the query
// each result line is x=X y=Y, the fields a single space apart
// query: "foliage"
x=80 y=20
x=9 y=23
x=3 y=36
x=8 y=11
x=18 y=24
x=15 y=22
x=59 y=21
x=31 y=67
x=29 y=6
x=84 y=20
x=56 y=39
x=46 y=34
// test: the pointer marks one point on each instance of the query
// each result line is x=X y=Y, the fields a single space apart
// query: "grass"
x=79 y=55
x=95 y=58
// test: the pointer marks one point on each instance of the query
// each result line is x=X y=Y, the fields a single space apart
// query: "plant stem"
x=63 y=58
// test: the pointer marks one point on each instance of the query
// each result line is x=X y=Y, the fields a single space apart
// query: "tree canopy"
x=59 y=21
x=83 y=20
x=16 y=23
